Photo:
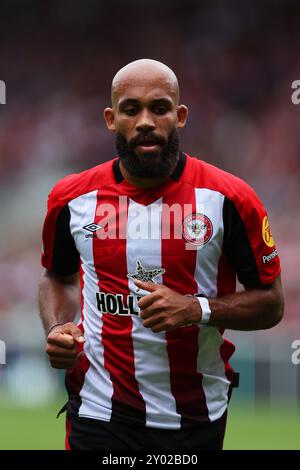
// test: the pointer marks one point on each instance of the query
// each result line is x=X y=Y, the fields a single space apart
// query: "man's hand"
x=63 y=344
x=164 y=309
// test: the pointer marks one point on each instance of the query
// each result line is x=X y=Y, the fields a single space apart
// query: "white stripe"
x=97 y=389
x=210 y=364
x=209 y=203
x=150 y=349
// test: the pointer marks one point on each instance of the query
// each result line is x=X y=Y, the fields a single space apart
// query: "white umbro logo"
x=92 y=227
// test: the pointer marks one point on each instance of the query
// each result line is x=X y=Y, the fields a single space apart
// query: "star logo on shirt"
x=144 y=274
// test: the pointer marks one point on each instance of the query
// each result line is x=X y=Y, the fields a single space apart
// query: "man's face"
x=145 y=119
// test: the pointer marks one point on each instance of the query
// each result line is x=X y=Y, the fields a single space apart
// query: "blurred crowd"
x=235 y=62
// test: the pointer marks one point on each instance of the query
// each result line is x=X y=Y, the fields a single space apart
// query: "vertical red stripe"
x=81 y=273
x=226 y=351
x=183 y=347
x=68 y=432
x=117 y=329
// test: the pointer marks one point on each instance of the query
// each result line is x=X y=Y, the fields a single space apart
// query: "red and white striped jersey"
x=112 y=231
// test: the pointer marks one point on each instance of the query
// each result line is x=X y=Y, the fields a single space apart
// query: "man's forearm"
x=59 y=299
x=164 y=309
x=254 y=309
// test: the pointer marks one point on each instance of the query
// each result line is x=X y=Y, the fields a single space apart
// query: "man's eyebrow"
x=126 y=101
x=163 y=101
x=133 y=101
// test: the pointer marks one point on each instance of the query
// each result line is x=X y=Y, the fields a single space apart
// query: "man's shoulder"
x=76 y=184
x=206 y=175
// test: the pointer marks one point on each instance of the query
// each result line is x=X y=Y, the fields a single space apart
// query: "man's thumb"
x=78 y=336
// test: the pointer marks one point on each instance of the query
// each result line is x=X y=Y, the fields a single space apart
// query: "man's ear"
x=182 y=114
x=109 y=117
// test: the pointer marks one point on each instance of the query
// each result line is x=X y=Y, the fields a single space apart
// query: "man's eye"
x=160 y=110
x=130 y=111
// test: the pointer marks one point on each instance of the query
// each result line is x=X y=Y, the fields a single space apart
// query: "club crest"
x=197 y=229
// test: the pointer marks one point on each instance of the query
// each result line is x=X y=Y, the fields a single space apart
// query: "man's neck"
x=145 y=182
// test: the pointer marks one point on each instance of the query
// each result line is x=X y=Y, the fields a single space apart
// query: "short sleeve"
x=248 y=241
x=59 y=251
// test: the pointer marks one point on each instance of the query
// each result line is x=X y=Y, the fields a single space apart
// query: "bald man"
x=156 y=239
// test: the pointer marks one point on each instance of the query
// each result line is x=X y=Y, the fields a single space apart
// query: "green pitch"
x=261 y=429
x=277 y=428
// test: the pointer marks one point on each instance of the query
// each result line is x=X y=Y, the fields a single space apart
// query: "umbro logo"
x=92 y=228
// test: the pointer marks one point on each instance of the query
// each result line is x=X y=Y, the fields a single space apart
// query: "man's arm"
x=254 y=309
x=59 y=299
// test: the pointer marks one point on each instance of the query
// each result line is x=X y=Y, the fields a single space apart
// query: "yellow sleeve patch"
x=266 y=233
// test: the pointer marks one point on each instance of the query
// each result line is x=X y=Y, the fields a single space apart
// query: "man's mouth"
x=148 y=146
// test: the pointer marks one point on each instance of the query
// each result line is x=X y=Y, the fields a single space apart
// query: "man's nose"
x=145 y=122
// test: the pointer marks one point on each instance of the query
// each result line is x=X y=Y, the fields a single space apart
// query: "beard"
x=149 y=165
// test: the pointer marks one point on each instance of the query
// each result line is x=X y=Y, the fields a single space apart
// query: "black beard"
x=149 y=165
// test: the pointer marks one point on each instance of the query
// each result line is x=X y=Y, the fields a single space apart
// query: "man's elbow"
x=276 y=310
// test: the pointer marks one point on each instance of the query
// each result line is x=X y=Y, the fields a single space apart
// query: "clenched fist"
x=64 y=346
